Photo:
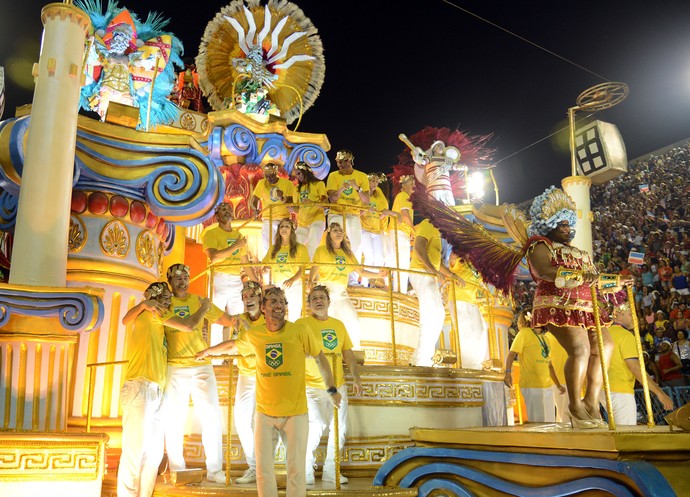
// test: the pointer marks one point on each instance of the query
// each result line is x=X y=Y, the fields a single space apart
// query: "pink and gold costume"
x=563 y=306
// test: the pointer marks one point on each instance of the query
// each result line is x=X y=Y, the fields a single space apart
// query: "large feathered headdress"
x=549 y=209
x=249 y=47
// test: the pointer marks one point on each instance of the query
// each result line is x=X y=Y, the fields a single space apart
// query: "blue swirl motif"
x=75 y=311
x=445 y=469
x=272 y=149
x=8 y=211
x=313 y=155
x=240 y=141
x=179 y=184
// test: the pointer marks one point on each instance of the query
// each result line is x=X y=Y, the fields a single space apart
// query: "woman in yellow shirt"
x=311 y=220
x=333 y=263
x=287 y=258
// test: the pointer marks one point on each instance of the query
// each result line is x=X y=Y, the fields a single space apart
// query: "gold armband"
x=609 y=283
x=568 y=278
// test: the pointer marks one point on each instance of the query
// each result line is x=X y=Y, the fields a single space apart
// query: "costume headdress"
x=155 y=289
x=177 y=270
x=252 y=286
x=300 y=165
x=344 y=154
x=550 y=208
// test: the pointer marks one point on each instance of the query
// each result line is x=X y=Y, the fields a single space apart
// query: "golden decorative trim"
x=63 y=11
x=233 y=116
x=78 y=234
x=46 y=456
x=114 y=239
x=576 y=180
x=145 y=248
x=118 y=274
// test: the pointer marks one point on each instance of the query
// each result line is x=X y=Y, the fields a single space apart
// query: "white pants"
x=243 y=415
x=227 y=294
x=293 y=430
x=321 y=417
x=372 y=251
x=432 y=314
x=294 y=300
x=561 y=401
x=200 y=383
x=624 y=408
x=403 y=257
x=353 y=231
x=539 y=404
x=266 y=228
x=341 y=308
x=474 y=335
x=311 y=235
x=142 y=438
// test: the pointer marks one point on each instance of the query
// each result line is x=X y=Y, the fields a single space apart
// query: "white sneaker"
x=249 y=476
x=330 y=477
x=216 y=476
x=311 y=480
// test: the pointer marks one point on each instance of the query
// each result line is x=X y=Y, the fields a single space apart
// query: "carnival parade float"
x=97 y=206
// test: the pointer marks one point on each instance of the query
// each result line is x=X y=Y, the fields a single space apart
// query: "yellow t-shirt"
x=334 y=338
x=350 y=196
x=280 y=365
x=371 y=220
x=266 y=192
x=401 y=202
x=146 y=348
x=315 y=193
x=184 y=344
x=219 y=239
x=427 y=230
x=287 y=265
x=534 y=367
x=472 y=292
x=621 y=378
x=335 y=274
x=558 y=356
x=247 y=364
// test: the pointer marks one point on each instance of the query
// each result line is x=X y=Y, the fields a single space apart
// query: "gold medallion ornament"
x=261 y=60
x=146 y=249
x=115 y=239
x=77 y=234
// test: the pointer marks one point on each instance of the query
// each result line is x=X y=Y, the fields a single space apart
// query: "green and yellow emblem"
x=274 y=355
x=330 y=339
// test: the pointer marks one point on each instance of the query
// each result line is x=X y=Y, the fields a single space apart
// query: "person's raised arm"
x=508 y=378
x=226 y=347
x=327 y=375
x=190 y=323
x=634 y=367
x=145 y=305
x=351 y=361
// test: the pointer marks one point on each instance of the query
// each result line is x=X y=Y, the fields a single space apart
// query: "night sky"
x=395 y=67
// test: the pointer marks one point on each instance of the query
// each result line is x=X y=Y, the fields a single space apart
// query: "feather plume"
x=496 y=261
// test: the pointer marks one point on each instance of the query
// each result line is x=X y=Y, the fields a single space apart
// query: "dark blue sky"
x=397 y=66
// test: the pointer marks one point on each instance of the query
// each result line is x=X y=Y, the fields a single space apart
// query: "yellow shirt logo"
x=274 y=355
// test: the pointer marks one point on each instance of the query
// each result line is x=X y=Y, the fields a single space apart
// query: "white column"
x=39 y=256
x=578 y=189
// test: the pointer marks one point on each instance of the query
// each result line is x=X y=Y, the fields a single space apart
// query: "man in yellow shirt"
x=273 y=192
x=625 y=368
x=185 y=377
x=142 y=391
x=333 y=335
x=404 y=233
x=347 y=186
x=281 y=348
x=427 y=258
x=226 y=249
x=374 y=222
x=536 y=372
x=472 y=328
